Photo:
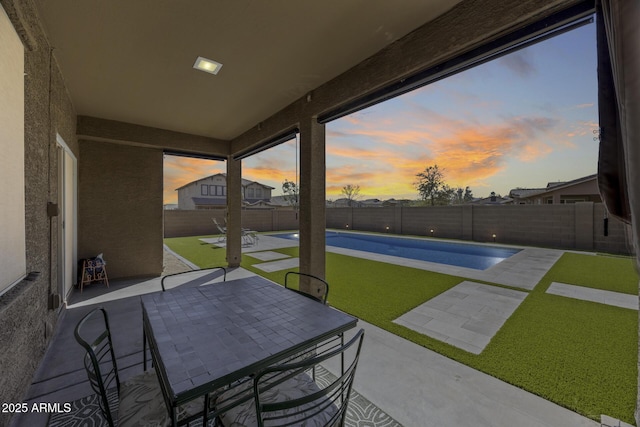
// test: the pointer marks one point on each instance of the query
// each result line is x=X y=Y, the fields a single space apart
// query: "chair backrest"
x=319 y=288
x=197 y=281
x=322 y=405
x=99 y=359
x=221 y=229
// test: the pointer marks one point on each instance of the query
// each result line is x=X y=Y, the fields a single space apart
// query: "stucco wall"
x=180 y=223
x=578 y=226
x=574 y=226
x=120 y=207
x=27 y=323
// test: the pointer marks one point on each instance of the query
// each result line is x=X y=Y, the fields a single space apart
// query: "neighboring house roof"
x=371 y=203
x=396 y=202
x=553 y=186
x=279 y=201
x=209 y=201
x=245 y=182
x=255 y=201
x=521 y=193
x=525 y=192
x=492 y=200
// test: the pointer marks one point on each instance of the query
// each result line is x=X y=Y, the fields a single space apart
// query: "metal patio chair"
x=285 y=395
x=140 y=399
x=224 y=276
x=319 y=287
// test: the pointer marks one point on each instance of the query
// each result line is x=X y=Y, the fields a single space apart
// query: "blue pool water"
x=478 y=257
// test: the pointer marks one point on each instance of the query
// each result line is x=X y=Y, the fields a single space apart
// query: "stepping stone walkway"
x=617 y=299
x=267 y=255
x=284 y=264
x=466 y=316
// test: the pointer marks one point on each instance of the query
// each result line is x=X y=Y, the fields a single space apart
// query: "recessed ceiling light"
x=207 y=65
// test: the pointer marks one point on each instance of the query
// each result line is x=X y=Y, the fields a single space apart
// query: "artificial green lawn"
x=579 y=354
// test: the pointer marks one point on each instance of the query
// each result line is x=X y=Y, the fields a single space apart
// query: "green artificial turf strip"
x=202 y=254
x=610 y=273
x=578 y=354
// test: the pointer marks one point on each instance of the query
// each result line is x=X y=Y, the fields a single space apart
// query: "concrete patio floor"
x=416 y=386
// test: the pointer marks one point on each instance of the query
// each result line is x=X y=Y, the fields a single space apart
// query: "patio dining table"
x=204 y=338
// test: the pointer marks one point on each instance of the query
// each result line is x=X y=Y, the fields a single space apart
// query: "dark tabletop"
x=209 y=336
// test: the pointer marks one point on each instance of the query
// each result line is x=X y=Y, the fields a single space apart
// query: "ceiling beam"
x=96 y=129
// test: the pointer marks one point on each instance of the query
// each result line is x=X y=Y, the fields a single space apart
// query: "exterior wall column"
x=234 y=212
x=312 y=198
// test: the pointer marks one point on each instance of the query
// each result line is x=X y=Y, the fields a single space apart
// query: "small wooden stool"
x=93 y=270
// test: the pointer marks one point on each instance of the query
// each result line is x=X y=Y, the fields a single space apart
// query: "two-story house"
x=211 y=193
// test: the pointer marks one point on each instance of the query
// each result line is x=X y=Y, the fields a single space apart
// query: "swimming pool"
x=478 y=257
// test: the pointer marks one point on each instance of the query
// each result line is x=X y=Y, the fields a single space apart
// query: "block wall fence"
x=579 y=226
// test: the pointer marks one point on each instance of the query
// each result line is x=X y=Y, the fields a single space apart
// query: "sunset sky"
x=520 y=121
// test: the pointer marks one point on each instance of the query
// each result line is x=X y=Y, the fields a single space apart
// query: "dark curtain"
x=612 y=171
x=619 y=87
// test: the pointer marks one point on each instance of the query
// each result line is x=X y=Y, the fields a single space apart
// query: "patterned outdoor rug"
x=85 y=412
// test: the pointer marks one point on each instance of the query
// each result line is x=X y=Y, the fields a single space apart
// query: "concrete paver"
x=272 y=266
x=267 y=255
x=595 y=295
x=466 y=316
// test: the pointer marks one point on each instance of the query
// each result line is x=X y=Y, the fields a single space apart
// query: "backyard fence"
x=579 y=226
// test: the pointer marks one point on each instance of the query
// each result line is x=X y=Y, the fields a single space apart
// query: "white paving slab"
x=617 y=299
x=267 y=255
x=272 y=266
x=466 y=316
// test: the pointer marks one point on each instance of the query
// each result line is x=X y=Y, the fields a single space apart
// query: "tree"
x=351 y=192
x=291 y=192
x=430 y=183
x=468 y=195
x=444 y=196
x=462 y=196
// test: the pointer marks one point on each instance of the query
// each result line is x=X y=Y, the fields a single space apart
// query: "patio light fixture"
x=207 y=65
x=494 y=237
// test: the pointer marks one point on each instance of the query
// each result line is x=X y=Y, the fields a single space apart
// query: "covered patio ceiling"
x=132 y=61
